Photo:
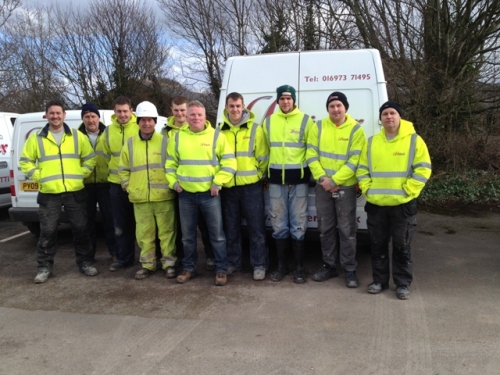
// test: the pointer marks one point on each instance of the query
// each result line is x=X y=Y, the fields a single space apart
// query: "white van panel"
x=6 y=126
x=314 y=74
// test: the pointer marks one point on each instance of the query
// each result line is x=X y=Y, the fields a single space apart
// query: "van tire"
x=33 y=227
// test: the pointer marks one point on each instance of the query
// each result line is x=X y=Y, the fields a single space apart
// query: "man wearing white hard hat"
x=142 y=175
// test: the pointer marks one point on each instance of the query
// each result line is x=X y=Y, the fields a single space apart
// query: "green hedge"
x=473 y=187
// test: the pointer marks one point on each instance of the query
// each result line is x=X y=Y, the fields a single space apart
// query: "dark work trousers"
x=124 y=223
x=99 y=194
x=50 y=209
x=337 y=226
x=202 y=226
x=245 y=201
x=398 y=223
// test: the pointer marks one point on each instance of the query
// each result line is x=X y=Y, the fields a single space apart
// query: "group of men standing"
x=192 y=174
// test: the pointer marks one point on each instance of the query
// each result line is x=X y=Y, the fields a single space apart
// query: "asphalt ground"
x=114 y=324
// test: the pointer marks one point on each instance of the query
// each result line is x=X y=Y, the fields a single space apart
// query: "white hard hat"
x=146 y=109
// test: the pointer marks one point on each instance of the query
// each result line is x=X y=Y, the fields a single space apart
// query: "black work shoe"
x=402 y=292
x=376 y=288
x=42 y=276
x=326 y=272
x=89 y=270
x=143 y=273
x=299 y=277
x=351 y=280
x=279 y=274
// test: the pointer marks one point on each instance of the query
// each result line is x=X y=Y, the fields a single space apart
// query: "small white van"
x=314 y=74
x=24 y=191
x=6 y=129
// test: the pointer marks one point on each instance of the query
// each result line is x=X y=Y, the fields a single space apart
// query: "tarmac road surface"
x=113 y=324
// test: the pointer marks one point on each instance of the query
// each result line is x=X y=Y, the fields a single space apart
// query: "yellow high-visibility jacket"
x=142 y=169
x=286 y=135
x=393 y=172
x=333 y=151
x=61 y=168
x=169 y=129
x=100 y=173
x=115 y=137
x=196 y=161
x=250 y=148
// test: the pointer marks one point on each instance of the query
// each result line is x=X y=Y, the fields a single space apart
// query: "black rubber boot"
x=299 y=276
x=281 y=250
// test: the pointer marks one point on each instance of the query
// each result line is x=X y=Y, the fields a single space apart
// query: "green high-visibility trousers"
x=149 y=217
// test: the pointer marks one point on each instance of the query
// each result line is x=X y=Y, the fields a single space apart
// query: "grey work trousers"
x=337 y=226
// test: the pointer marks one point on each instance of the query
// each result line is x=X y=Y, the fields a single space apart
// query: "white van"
x=24 y=191
x=314 y=74
x=6 y=126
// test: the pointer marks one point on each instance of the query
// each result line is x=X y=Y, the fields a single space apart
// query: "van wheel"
x=33 y=227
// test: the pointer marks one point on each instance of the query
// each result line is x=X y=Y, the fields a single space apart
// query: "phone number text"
x=339 y=77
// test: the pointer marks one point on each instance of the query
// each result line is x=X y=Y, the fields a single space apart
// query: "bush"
x=472 y=187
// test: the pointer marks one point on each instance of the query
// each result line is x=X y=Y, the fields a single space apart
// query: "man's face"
x=390 y=121
x=196 y=118
x=234 y=109
x=179 y=112
x=55 y=116
x=91 y=122
x=123 y=113
x=286 y=103
x=147 y=126
x=336 y=110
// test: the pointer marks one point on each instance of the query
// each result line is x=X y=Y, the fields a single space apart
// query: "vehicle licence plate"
x=29 y=186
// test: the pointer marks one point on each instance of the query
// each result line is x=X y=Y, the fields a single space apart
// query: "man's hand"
x=328 y=185
x=214 y=191
x=178 y=188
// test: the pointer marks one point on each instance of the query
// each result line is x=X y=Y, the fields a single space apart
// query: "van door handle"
x=3 y=165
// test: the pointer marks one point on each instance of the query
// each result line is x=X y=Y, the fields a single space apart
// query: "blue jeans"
x=99 y=193
x=288 y=210
x=210 y=208
x=124 y=221
x=337 y=226
x=246 y=201
x=50 y=211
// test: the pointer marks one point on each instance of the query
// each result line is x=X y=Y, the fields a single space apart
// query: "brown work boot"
x=220 y=278
x=185 y=276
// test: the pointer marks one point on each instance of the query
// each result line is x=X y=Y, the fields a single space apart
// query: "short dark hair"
x=54 y=102
x=178 y=100
x=122 y=100
x=235 y=96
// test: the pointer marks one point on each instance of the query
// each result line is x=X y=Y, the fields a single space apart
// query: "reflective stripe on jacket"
x=250 y=148
x=115 y=137
x=333 y=151
x=61 y=168
x=100 y=173
x=142 y=169
x=197 y=160
x=393 y=172
x=286 y=135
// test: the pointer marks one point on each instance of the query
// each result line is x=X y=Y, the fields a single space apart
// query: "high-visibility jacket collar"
x=246 y=117
x=405 y=128
x=131 y=122
x=171 y=125
x=82 y=128
x=207 y=125
x=45 y=131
